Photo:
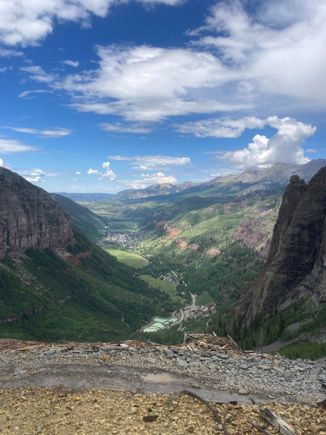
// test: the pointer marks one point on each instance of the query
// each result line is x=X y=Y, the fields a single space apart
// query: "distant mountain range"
x=277 y=175
x=154 y=191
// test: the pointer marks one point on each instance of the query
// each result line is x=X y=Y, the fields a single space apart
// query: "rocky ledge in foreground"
x=219 y=373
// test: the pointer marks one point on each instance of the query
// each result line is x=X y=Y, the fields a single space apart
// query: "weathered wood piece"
x=216 y=415
x=235 y=344
x=276 y=421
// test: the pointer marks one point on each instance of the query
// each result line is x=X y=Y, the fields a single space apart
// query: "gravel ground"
x=59 y=411
x=80 y=366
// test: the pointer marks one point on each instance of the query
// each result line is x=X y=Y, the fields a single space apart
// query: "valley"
x=154 y=267
x=209 y=241
x=190 y=249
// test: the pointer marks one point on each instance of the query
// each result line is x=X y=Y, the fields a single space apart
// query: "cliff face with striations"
x=29 y=217
x=295 y=271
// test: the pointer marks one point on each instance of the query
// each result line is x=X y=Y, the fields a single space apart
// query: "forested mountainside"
x=88 y=222
x=55 y=284
x=292 y=287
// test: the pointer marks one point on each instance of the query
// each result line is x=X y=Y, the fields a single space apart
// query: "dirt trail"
x=193 y=299
x=116 y=378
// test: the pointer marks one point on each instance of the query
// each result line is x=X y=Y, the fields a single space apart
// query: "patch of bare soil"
x=172 y=232
x=182 y=244
x=213 y=252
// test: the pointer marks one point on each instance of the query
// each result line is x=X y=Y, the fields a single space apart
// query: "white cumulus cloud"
x=108 y=171
x=221 y=127
x=92 y=171
x=144 y=83
x=35 y=175
x=275 y=49
x=159 y=178
x=72 y=63
x=284 y=147
x=27 y=22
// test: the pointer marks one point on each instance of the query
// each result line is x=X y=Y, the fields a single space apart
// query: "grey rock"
x=244 y=366
x=169 y=353
x=50 y=352
x=181 y=363
x=19 y=372
x=223 y=356
x=263 y=367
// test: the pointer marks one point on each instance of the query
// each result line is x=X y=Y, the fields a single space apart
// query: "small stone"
x=150 y=418
x=169 y=353
x=181 y=363
x=243 y=392
x=223 y=356
x=50 y=352
x=19 y=372
x=263 y=367
x=244 y=366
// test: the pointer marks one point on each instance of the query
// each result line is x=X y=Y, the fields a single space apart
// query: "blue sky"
x=104 y=95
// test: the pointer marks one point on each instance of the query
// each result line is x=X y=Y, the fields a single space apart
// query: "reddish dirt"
x=75 y=259
x=194 y=247
x=171 y=232
x=213 y=252
x=182 y=244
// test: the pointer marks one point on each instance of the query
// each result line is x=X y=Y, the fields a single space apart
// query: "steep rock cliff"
x=64 y=287
x=295 y=271
x=29 y=217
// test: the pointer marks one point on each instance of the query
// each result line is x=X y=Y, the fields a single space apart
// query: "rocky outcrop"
x=296 y=264
x=29 y=217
